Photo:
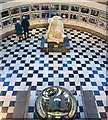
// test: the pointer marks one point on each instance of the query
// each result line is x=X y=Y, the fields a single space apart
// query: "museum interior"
x=60 y=70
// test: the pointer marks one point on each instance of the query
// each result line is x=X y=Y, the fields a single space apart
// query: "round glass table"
x=56 y=103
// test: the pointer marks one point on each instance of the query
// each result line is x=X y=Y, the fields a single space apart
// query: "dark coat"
x=25 y=24
x=18 y=28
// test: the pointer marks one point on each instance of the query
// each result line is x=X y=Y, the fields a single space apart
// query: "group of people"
x=20 y=26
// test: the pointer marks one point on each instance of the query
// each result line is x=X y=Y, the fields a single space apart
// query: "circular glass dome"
x=56 y=103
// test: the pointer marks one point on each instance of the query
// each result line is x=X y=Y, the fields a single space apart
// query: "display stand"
x=55 y=47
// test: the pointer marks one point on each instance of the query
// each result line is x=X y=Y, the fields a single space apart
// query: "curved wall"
x=84 y=15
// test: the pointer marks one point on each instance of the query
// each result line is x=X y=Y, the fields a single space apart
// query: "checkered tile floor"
x=22 y=64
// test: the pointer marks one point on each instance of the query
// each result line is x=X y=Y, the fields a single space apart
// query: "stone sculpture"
x=55 y=31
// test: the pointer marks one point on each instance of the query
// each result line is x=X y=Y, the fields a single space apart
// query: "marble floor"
x=22 y=64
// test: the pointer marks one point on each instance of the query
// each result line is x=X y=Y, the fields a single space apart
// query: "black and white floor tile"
x=22 y=64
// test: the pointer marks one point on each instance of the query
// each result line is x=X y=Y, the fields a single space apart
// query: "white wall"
x=71 y=22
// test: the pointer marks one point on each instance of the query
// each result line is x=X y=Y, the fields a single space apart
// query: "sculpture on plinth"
x=54 y=40
x=55 y=31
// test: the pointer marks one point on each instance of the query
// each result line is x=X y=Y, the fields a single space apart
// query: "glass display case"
x=34 y=7
x=5 y=13
x=64 y=7
x=85 y=10
x=93 y=21
x=27 y=16
x=75 y=8
x=104 y=15
x=64 y=15
x=56 y=103
x=14 y=11
x=102 y=24
x=74 y=16
x=94 y=12
x=45 y=7
x=35 y=15
x=6 y=22
x=24 y=8
x=54 y=14
x=14 y=19
x=54 y=7
x=45 y=15
x=83 y=18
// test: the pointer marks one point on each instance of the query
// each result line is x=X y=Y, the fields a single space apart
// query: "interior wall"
x=74 y=23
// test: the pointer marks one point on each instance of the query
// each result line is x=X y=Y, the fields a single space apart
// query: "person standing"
x=25 y=24
x=18 y=29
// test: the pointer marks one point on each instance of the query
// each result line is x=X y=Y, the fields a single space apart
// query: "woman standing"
x=18 y=29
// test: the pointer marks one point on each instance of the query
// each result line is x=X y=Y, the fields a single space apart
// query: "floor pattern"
x=22 y=64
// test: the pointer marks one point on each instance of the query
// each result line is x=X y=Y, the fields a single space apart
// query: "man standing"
x=25 y=24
